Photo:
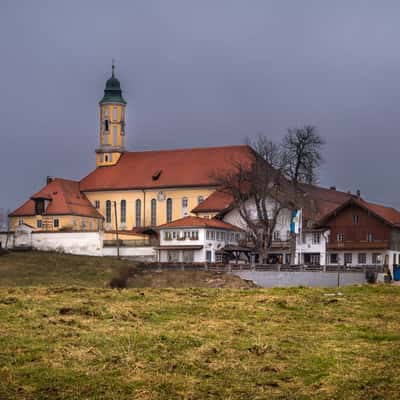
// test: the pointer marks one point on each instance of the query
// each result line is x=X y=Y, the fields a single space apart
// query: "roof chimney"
x=358 y=193
x=332 y=188
x=49 y=179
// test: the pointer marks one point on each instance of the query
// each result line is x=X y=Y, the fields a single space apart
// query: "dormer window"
x=39 y=206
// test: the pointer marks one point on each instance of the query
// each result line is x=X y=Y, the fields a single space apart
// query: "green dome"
x=113 y=92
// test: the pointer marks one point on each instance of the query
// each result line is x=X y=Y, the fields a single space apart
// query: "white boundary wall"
x=84 y=243
x=145 y=253
x=81 y=243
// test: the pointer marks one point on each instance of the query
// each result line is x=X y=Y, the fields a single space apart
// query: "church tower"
x=112 y=123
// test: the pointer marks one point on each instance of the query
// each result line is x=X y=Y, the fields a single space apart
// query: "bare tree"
x=260 y=192
x=5 y=223
x=3 y=219
x=266 y=188
x=302 y=148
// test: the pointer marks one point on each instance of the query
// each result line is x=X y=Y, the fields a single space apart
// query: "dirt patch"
x=182 y=279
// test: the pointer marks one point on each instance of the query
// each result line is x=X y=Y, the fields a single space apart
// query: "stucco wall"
x=131 y=196
x=145 y=253
x=282 y=224
x=85 y=243
x=3 y=240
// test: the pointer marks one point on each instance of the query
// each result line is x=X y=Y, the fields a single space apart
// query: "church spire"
x=112 y=123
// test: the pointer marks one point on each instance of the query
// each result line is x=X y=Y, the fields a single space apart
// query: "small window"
x=376 y=258
x=334 y=258
x=316 y=238
x=348 y=258
x=106 y=125
x=200 y=199
x=208 y=235
x=39 y=223
x=370 y=237
x=208 y=256
x=213 y=235
x=362 y=258
x=277 y=235
x=106 y=157
x=356 y=219
x=340 y=237
x=97 y=204
x=218 y=258
x=56 y=223
x=115 y=113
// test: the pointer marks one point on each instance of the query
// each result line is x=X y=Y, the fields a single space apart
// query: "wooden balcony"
x=359 y=245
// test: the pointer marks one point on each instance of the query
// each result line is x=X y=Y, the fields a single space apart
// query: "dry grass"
x=80 y=342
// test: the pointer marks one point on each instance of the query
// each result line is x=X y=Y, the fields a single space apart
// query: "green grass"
x=72 y=338
x=49 y=269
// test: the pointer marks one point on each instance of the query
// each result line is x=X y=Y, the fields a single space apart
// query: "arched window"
x=169 y=210
x=138 y=209
x=153 y=214
x=123 y=211
x=108 y=211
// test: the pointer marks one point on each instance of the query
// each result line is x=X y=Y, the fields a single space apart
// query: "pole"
x=116 y=227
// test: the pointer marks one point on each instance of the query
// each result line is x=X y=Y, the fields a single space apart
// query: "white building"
x=193 y=239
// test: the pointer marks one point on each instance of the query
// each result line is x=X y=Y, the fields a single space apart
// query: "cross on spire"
x=113 y=67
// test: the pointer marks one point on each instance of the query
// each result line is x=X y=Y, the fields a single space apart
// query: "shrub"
x=121 y=281
x=371 y=276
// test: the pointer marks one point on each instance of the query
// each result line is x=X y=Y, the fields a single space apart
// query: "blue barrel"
x=396 y=272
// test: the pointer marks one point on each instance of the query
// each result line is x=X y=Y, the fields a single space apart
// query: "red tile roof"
x=325 y=200
x=388 y=214
x=217 y=201
x=166 y=168
x=65 y=199
x=196 y=222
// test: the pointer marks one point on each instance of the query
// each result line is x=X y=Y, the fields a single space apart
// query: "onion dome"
x=113 y=91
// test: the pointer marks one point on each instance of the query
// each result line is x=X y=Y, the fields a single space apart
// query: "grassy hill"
x=64 y=335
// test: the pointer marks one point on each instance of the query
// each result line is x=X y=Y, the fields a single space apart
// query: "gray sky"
x=200 y=73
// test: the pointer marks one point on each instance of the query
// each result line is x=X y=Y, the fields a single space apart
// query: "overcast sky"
x=200 y=73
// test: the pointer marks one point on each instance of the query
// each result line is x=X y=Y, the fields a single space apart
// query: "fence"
x=265 y=267
x=128 y=243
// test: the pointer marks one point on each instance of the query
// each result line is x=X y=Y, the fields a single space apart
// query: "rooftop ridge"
x=188 y=149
